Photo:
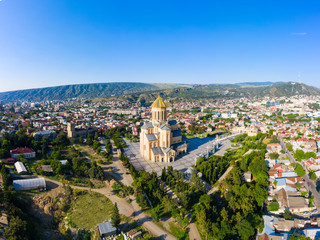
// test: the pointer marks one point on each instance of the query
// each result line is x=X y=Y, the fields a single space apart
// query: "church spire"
x=159 y=110
x=159 y=103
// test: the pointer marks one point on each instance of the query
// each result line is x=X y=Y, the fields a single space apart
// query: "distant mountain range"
x=257 y=84
x=136 y=91
x=83 y=91
x=227 y=91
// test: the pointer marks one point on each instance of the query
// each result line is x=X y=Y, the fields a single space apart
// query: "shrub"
x=287 y=215
x=274 y=206
x=299 y=170
x=313 y=177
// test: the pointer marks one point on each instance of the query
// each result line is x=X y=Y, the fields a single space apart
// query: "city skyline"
x=54 y=43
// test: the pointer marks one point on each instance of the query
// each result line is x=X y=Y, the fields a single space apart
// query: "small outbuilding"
x=9 y=161
x=63 y=162
x=46 y=168
x=134 y=234
x=21 y=169
x=106 y=229
x=247 y=176
x=29 y=184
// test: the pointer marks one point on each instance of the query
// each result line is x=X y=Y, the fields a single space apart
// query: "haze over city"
x=50 y=43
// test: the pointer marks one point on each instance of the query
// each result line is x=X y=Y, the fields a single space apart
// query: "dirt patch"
x=110 y=182
x=42 y=207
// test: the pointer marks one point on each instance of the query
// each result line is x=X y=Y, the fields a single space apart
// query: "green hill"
x=83 y=91
x=148 y=91
x=226 y=91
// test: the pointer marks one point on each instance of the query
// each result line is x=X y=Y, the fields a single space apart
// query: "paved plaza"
x=197 y=146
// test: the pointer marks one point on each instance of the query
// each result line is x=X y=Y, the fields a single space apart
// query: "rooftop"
x=106 y=228
x=22 y=150
x=159 y=103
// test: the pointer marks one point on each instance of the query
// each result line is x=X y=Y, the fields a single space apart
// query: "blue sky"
x=48 y=43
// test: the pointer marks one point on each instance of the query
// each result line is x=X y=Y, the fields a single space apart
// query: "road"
x=309 y=182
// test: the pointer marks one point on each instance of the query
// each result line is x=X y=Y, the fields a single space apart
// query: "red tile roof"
x=21 y=150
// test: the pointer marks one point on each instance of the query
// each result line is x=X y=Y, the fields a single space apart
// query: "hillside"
x=226 y=91
x=148 y=91
x=84 y=91
x=257 y=84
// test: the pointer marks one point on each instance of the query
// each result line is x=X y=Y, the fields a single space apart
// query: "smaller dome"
x=159 y=103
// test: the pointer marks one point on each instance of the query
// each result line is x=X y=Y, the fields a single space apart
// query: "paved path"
x=193 y=232
x=126 y=179
x=224 y=175
x=220 y=179
x=309 y=182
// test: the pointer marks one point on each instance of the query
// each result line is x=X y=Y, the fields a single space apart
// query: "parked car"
x=306 y=213
x=315 y=211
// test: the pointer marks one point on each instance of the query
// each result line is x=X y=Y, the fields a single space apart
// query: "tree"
x=245 y=229
x=274 y=138
x=203 y=224
x=260 y=194
x=115 y=216
x=89 y=141
x=17 y=229
x=274 y=155
x=296 y=236
x=299 y=155
x=289 y=147
x=287 y=215
x=313 y=176
x=299 y=170
x=96 y=145
x=275 y=183
x=155 y=213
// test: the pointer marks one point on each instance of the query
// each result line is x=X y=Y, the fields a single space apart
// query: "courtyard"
x=197 y=147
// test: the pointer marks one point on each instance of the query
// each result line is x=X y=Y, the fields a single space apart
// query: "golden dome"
x=159 y=103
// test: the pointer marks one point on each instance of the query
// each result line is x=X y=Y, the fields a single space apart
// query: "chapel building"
x=161 y=139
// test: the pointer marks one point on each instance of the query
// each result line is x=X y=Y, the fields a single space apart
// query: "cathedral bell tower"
x=159 y=110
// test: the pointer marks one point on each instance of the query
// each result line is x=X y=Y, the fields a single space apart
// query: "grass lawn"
x=266 y=140
x=89 y=209
x=178 y=232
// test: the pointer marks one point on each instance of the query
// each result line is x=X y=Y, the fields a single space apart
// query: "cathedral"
x=161 y=139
